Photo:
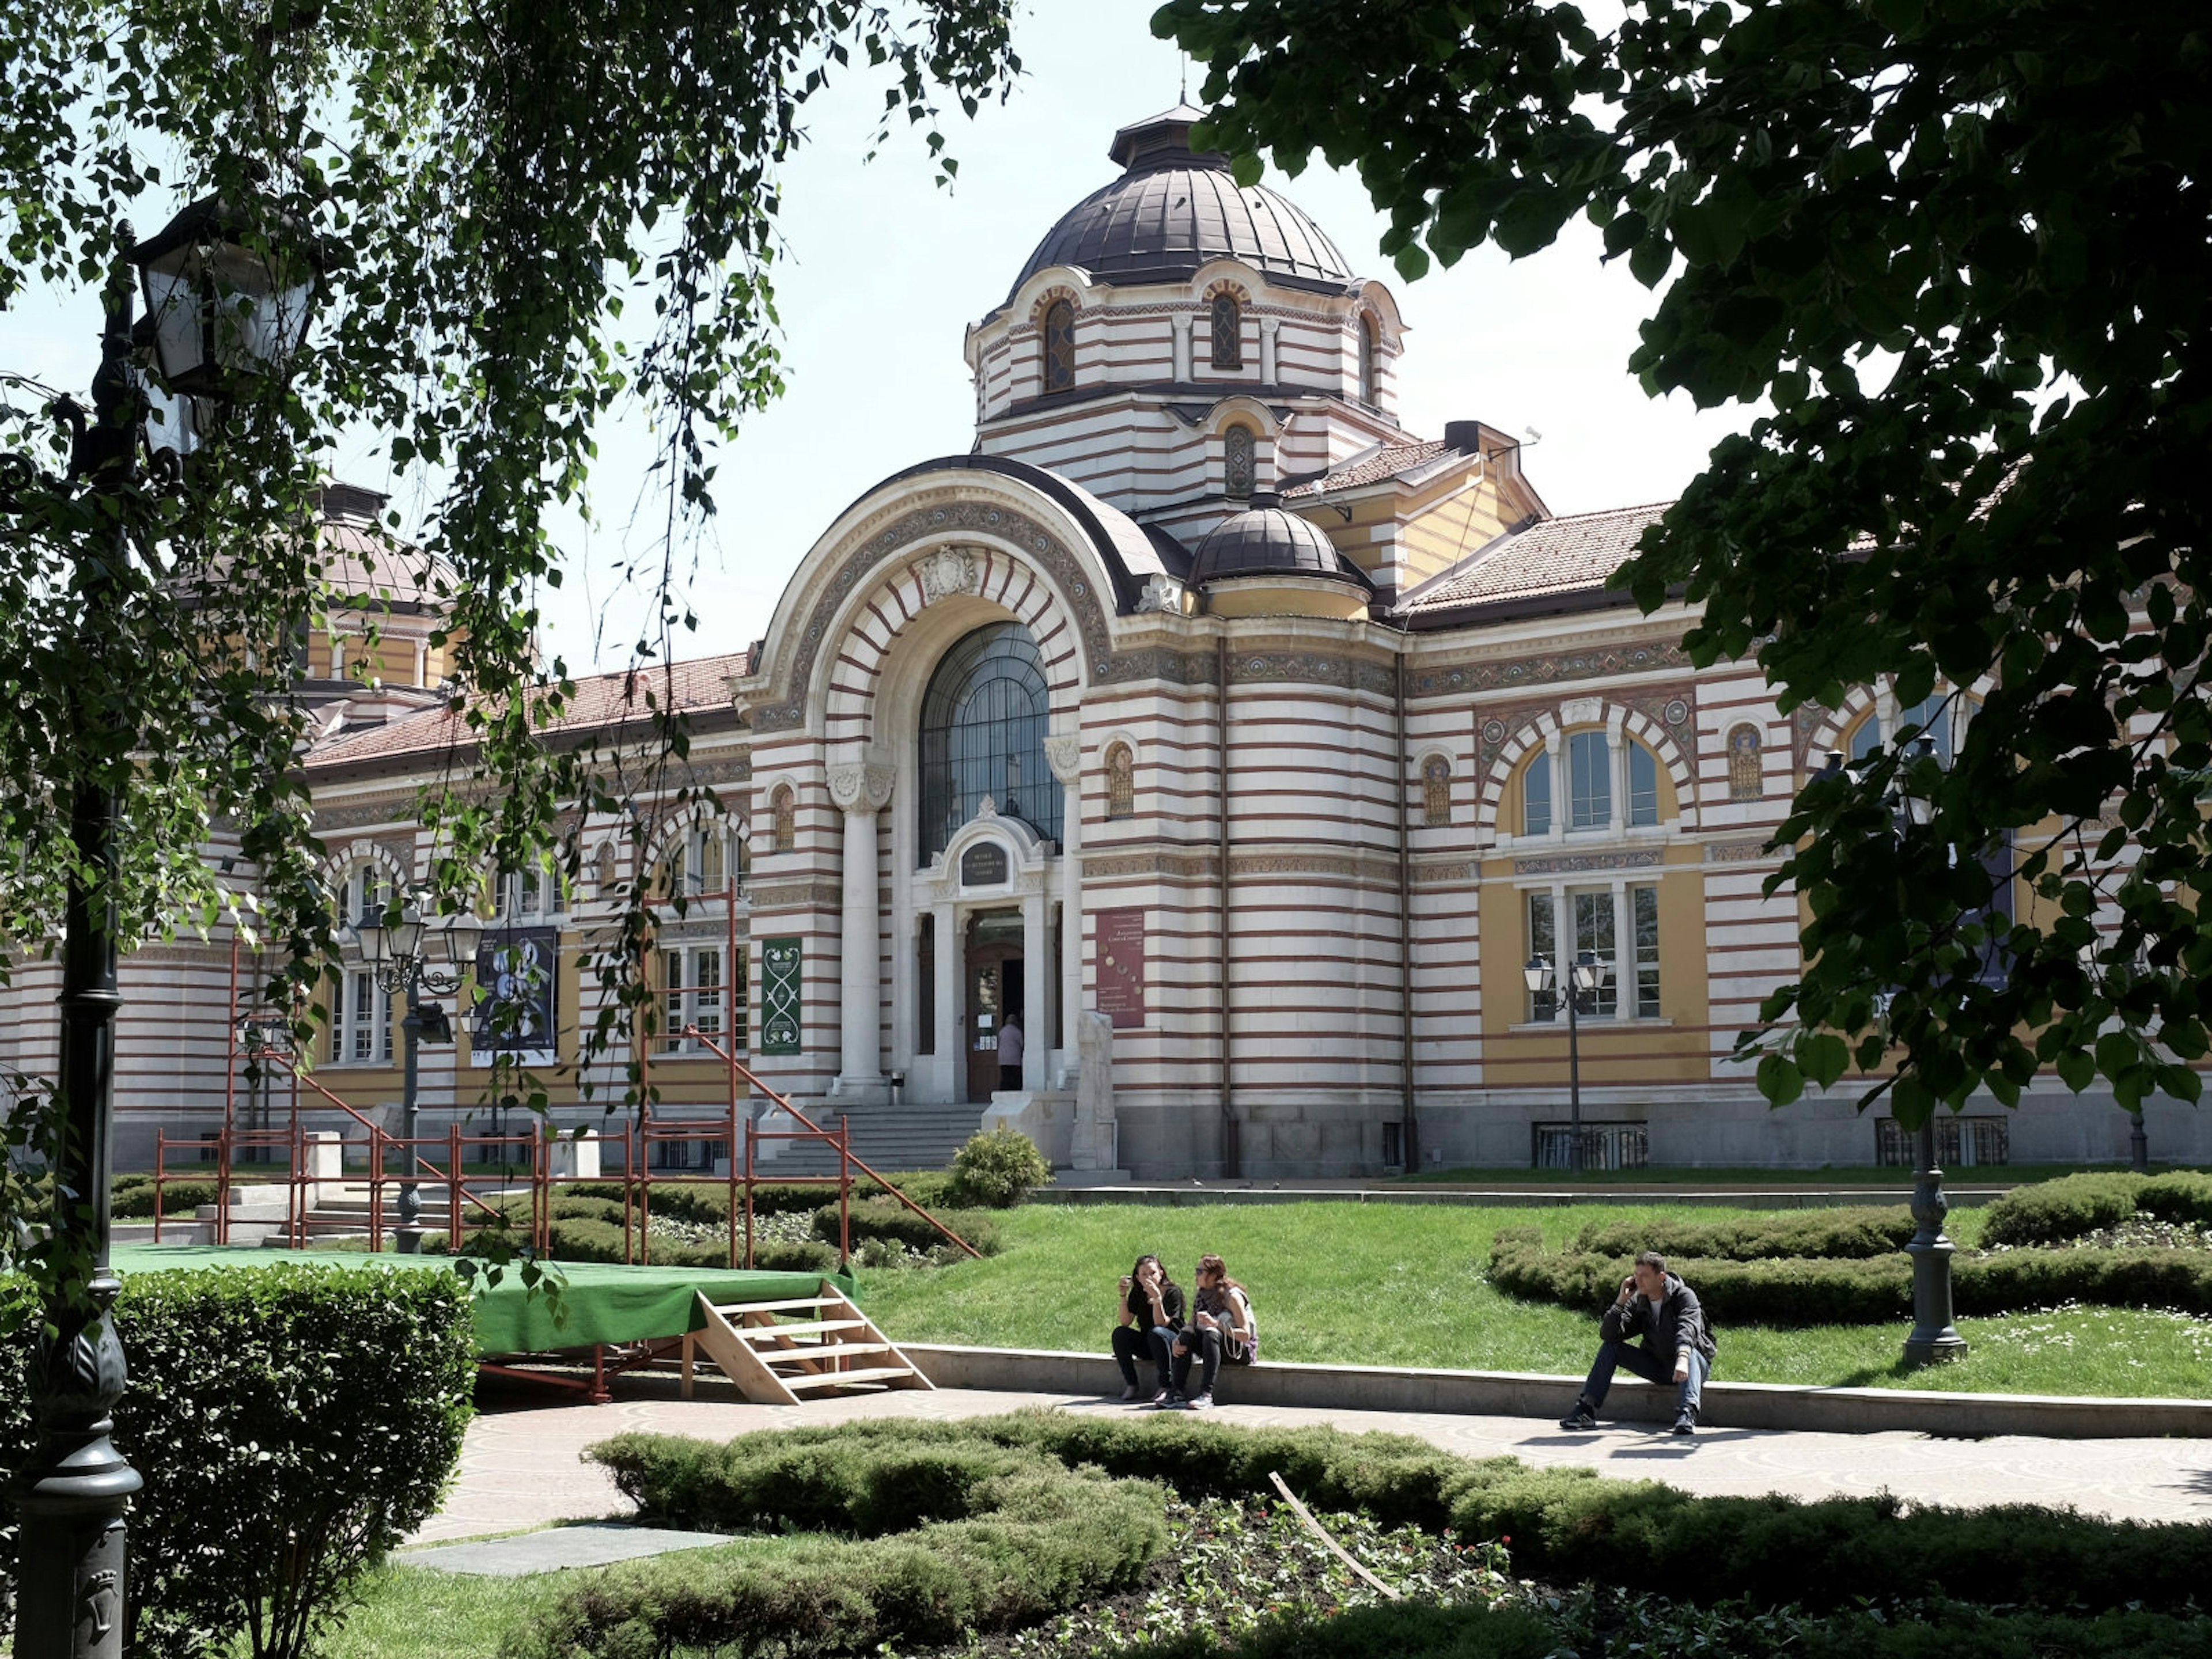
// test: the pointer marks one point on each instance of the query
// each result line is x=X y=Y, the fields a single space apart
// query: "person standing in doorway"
x=1009 y=1052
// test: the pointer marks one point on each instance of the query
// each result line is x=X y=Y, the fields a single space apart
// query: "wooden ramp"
x=781 y=1352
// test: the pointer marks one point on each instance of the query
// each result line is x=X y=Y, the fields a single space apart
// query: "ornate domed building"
x=1242 y=748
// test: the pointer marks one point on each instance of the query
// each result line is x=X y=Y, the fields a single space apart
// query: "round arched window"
x=983 y=720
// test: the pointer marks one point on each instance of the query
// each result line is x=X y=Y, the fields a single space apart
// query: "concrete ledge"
x=1784 y=1198
x=1524 y=1394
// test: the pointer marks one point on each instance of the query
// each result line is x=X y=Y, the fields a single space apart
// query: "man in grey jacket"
x=1677 y=1347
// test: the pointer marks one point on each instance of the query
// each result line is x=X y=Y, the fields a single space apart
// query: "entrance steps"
x=890 y=1137
x=799 y=1348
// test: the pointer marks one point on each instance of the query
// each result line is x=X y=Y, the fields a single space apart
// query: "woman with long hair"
x=1223 y=1329
x=1151 y=1319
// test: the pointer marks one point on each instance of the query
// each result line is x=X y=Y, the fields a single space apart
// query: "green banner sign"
x=780 y=996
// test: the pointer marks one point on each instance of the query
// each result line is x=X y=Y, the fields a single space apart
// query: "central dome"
x=1173 y=208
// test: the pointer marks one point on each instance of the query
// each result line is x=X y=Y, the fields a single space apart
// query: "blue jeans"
x=1646 y=1364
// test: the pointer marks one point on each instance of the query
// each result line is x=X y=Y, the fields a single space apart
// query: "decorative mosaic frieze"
x=1738 y=852
x=1313 y=863
x=792 y=894
x=1548 y=668
x=1571 y=863
x=1312 y=668
x=1121 y=867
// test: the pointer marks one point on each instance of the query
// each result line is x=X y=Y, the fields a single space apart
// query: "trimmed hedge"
x=291 y=1424
x=1807 y=1291
x=886 y=1218
x=584 y=1240
x=931 y=1189
x=1841 y=1234
x=2053 y=1212
x=132 y=1198
x=954 y=1538
x=1566 y=1525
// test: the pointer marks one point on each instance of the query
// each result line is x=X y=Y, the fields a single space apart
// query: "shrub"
x=1566 y=1525
x=886 y=1218
x=179 y=1199
x=1840 y=1234
x=283 y=1448
x=2051 y=1211
x=999 y=1538
x=2182 y=1195
x=710 y=1205
x=996 y=1169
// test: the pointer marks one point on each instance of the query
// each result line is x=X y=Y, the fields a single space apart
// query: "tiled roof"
x=1552 y=555
x=1388 y=462
x=602 y=701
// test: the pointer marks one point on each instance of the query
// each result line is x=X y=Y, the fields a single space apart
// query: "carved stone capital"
x=1065 y=755
x=865 y=787
x=946 y=571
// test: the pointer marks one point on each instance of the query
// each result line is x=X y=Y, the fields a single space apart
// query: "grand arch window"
x=1059 y=346
x=983 y=721
x=1227 y=328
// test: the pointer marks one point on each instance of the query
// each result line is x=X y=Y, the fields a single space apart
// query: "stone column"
x=1269 y=328
x=1616 y=771
x=1037 y=976
x=951 y=1033
x=1179 y=331
x=861 y=791
x=1065 y=755
x=1555 y=746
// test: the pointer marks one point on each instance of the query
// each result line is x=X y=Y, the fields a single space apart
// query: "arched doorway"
x=983 y=721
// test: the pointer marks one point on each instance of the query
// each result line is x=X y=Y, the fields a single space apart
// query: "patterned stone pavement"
x=521 y=1467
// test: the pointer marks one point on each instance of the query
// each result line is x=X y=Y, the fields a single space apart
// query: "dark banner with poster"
x=781 y=1009
x=1122 y=966
x=520 y=972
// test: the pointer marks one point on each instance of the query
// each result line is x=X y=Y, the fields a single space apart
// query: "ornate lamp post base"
x=1934 y=1338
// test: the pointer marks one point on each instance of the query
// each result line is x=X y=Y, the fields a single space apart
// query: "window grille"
x=1059 y=346
x=983 y=721
x=1605 y=1146
x=1228 y=332
x=1961 y=1143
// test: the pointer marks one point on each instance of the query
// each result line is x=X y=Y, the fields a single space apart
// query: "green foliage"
x=996 y=1169
x=2000 y=204
x=710 y=1205
x=886 y=1218
x=952 y=1539
x=593 y=1240
x=133 y=1200
x=2052 y=1212
x=1838 y=1233
x=292 y=1425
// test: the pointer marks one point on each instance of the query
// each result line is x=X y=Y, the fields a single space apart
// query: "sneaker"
x=1167 y=1397
x=1581 y=1420
x=1133 y=1392
x=1686 y=1422
x=1200 y=1402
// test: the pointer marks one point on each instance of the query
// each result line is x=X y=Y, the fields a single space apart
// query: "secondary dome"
x=1174 y=208
x=1268 y=541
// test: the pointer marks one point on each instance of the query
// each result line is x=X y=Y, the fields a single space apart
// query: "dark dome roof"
x=1174 y=209
x=1268 y=541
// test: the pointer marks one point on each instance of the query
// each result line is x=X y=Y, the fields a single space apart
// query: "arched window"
x=1121 y=782
x=1590 y=782
x=1643 y=785
x=1536 y=796
x=1059 y=346
x=1938 y=715
x=1236 y=462
x=1436 y=791
x=783 y=819
x=362 y=893
x=1228 y=332
x=983 y=723
x=1368 y=377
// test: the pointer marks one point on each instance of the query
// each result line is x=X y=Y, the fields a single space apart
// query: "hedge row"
x=1836 y=1233
x=955 y=1540
x=283 y=1450
x=708 y=1204
x=1566 y=1525
x=886 y=1218
x=2052 y=1212
x=132 y=1198
x=1807 y=1291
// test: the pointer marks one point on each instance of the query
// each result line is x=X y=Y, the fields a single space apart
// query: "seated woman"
x=1223 y=1329
x=1151 y=1319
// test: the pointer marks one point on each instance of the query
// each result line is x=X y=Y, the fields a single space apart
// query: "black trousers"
x=1130 y=1341
x=1208 y=1349
x=1009 y=1077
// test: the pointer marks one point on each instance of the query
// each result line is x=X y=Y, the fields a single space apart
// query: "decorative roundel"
x=1494 y=731
x=937 y=515
x=1080 y=590
x=1676 y=712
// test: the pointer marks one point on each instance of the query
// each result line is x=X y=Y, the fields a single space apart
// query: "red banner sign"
x=1122 y=966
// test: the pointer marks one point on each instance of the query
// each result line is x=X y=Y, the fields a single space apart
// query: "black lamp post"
x=225 y=308
x=1586 y=974
x=399 y=954
x=1934 y=1338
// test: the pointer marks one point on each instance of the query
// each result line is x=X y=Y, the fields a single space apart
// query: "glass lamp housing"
x=226 y=303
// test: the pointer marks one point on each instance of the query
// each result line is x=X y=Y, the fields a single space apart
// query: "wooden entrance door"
x=994 y=986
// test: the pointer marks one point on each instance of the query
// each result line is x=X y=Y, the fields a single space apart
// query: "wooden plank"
x=839 y=1379
x=739 y=1361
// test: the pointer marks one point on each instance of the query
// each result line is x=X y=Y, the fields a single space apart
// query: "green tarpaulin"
x=602 y=1301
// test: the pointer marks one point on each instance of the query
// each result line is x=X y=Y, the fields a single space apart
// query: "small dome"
x=1173 y=208
x=1268 y=541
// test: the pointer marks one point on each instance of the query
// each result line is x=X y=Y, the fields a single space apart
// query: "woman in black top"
x=1151 y=1318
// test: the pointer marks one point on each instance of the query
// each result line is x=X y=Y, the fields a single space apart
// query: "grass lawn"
x=1405 y=1286
x=1826 y=1176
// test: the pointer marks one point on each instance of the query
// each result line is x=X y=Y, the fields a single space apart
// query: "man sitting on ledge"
x=1663 y=1311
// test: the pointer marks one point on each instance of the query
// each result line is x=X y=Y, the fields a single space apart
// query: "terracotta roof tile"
x=602 y=699
x=1386 y=463
x=1552 y=555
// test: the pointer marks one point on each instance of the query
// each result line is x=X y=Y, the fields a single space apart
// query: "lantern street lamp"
x=1934 y=1336
x=397 y=952
x=229 y=307
x=1587 y=974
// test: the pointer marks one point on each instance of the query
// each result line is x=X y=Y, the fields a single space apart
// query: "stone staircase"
x=341 y=1211
x=891 y=1138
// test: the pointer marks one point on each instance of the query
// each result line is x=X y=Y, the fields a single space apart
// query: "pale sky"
x=884 y=271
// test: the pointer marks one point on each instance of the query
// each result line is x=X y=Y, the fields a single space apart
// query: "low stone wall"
x=1522 y=1394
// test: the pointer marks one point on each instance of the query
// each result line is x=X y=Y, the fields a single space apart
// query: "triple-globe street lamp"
x=399 y=955
x=1587 y=975
x=228 y=301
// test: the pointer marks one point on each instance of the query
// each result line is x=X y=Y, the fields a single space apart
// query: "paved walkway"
x=521 y=1466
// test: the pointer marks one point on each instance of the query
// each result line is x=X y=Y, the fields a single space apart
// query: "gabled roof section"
x=1549 y=558
x=1378 y=465
x=603 y=702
